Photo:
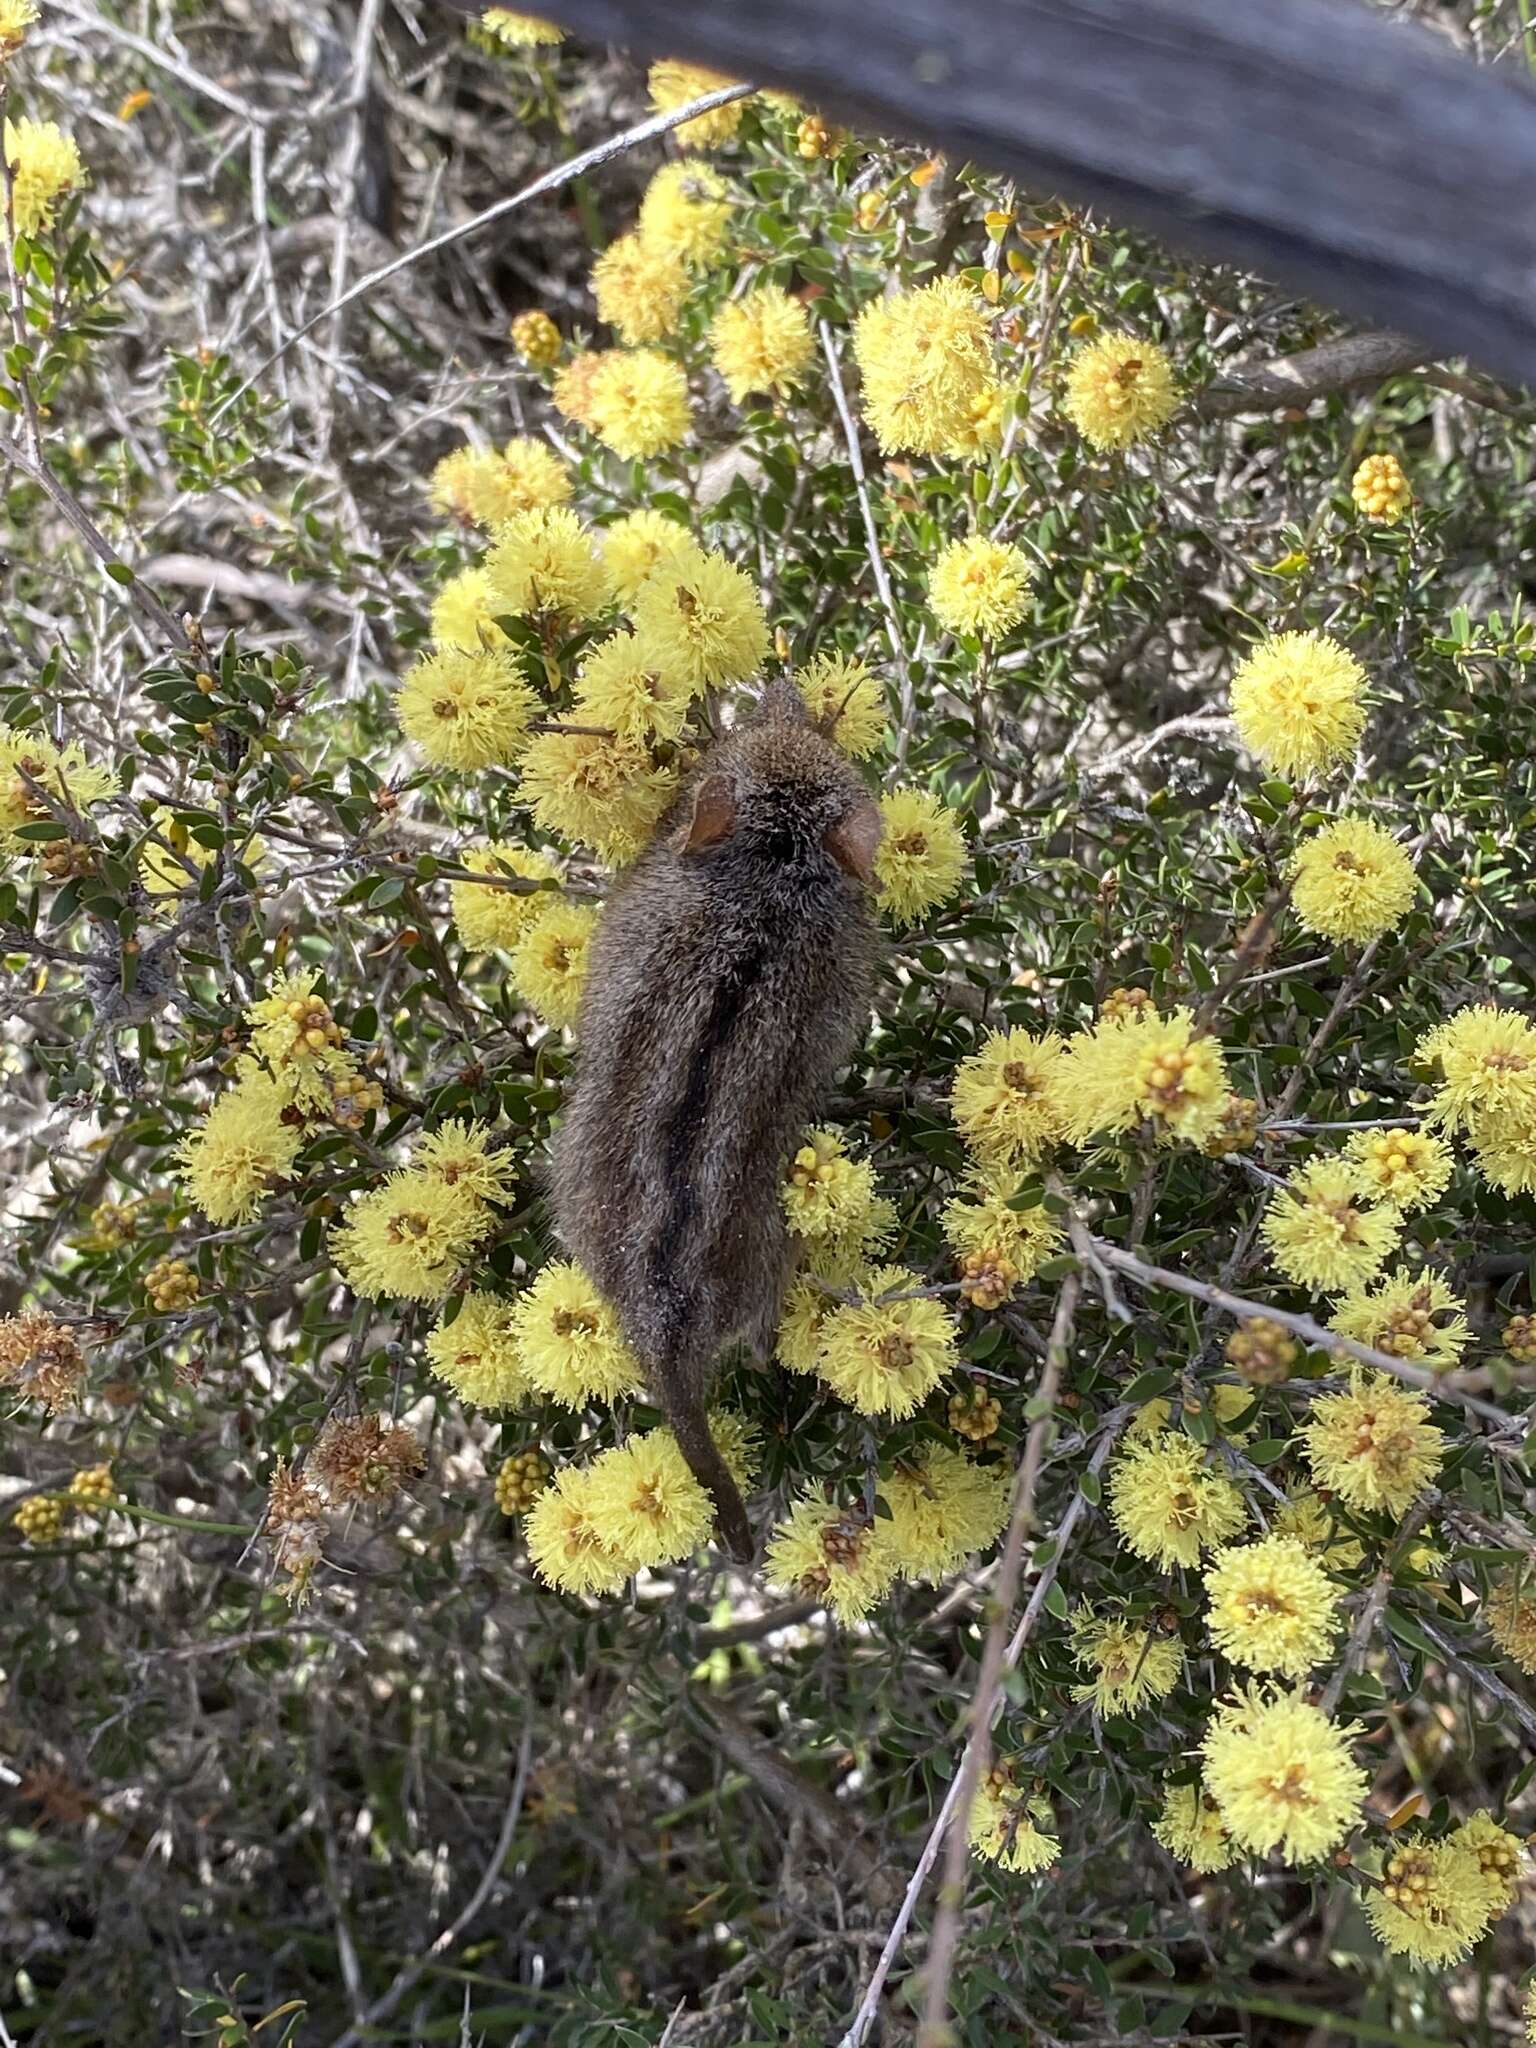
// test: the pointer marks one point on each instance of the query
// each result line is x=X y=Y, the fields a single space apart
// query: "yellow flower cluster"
x=1131 y=1662
x=1374 y=1446
x=476 y=1353
x=1169 y=1503
x=244 y=1145
x=462 y=615
x=761 y=342
x=943 y=1506
x=1120 y=389
x=411 y=1237
x=921 y=857
x=980 y=586
x=1324 y=1230
x=1407 y=1315
x=520 y=31
x=1352 y=882
x=1434 y=1902
x=1006 y=1825
x=846 y=702
x=1134 y=1065
x=637 y=403
x=543 y=565
x=634 y=547
x=640 y=285
x=826 y=1194
x=45 y=168
x=62 y=774
x=549 y=962
x=489 y=917
x=1271 y=1606
x=885 y=1353
x=1380 y=489
x=1190 y=1827
x=481 y=487
x=568 y=1340
x=536 y=338
x=1299 y=703
x=466 y=709
x=1487 y=1091
x=1004 y=1098
x=1511 y=1616
x=687 y=210
x=991 y=1234
x=1281 y=1774
x=1408 y=1170
x=925 y=358
x=839 y=1556
x=672 y=84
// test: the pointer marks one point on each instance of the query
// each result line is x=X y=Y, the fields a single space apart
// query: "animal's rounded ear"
x=711 y=818
x=854 y=841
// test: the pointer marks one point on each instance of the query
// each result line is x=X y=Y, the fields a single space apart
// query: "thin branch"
x=1442 y=1385
x=1313 y=373
x=869 y=2004
x=411 y=1972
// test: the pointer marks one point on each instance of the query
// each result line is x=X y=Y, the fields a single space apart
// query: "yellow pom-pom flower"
x=943 y=1507
x=1499 y=1854
x=1130 y=1662
x=45 y=168
x=836 y=1555
x=824 y=1192
x=672 y=84
x=1407 y=1315
x=544 y=565
x=571 y=391
x=846 y=702
x=1352 y=881
x=634 y=547
x=568 y=1339
x=297 y=1040
x=1272 y=1606
x=884 y=1357
x=1323 y=1232
x=242 y=1146
x=648 y=1507
x=477 y=1353
x=843 y=1258
x=466 y=710
x=16 y=17
x=625 y=688
x=636 y=402
x=466 y=1156
x=982 y=434
x=924 y=358
x=1282 y=1775
x=1487 y=1060
x=492 y=918
x=1374 y=1446
x=640 y=287
x=980 y=586
x=987 y=1231
x=1004 y=1098
x=701 y=621
x=1190 y=1827
x=565 y=1543
x=1299 y=703
x=1380 y=489
x=1181 y=1080
x=1097 y=1083
x=608 y=793
x=686 y=209
x=483 y=488
x=536 y=339
x=410 y=1238
x=463 y=616
x=1433 y=1903
x=1316 y=1523
x=1408 y=1170
x=921 y=857
x=1511 y=1617
x=1120 y=389
x=1169 y=1504
x=520 y=31
x=549 y=962
x=1005 y=1825
x=761 y=343
x=63 y=773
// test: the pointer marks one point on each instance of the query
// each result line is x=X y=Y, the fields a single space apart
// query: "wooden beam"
x=1349 y=157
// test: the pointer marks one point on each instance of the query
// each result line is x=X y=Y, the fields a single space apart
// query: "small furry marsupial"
x=729 y=979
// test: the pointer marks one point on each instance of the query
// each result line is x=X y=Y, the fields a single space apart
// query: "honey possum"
x=728 y=980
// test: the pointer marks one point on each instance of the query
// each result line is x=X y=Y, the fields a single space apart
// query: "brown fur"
x=729 y=979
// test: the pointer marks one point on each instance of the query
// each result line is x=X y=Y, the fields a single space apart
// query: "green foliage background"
x=216 y=1805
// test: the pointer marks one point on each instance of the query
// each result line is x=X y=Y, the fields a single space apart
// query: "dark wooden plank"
x=1355 y=159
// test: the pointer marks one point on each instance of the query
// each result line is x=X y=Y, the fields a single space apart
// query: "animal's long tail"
x=690 y=1425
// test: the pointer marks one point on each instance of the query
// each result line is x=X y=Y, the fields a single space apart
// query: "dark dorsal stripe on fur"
x=728 y=980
